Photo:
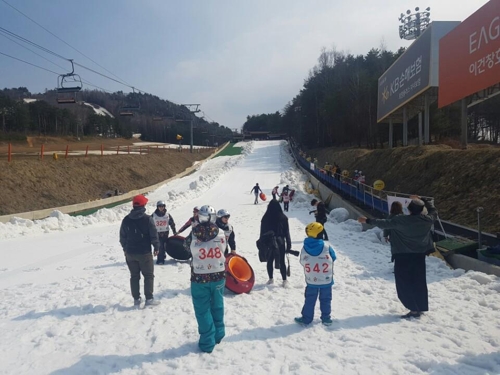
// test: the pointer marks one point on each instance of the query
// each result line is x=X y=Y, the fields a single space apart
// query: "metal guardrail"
x=374 y=202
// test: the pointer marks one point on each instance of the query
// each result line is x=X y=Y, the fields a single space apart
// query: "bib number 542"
x=317 y=268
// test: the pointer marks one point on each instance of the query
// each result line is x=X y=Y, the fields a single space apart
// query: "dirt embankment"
x=29 y=184
x=460 y=180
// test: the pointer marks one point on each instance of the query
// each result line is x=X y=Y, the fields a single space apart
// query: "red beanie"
x=139 y=201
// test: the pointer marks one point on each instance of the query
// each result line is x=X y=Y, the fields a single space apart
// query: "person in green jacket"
x=411 y=241
x=396 y=209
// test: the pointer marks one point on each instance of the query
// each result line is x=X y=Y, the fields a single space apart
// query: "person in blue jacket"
x=317 y=257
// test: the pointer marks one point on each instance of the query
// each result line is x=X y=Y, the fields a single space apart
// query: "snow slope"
x=101 y=111
x=66 y=305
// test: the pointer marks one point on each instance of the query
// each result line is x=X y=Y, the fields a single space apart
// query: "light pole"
x=193 y=111
x=412 y=25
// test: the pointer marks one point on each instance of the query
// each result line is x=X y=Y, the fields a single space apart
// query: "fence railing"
x=41 y=152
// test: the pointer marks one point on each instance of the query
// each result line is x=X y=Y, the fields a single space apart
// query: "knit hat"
x=139 y=201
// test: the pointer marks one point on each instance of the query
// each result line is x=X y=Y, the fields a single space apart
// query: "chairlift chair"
x=68 y=85
x=128 y=110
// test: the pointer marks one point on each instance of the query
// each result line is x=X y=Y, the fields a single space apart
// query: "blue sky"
x=235 y=58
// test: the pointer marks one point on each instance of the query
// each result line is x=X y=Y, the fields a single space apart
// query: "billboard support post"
x=420 y=140
x=405 y=127
x=463 y=120
x=426 y=119
x=390 y=134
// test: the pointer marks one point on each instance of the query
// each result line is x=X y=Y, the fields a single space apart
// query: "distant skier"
x=163 y=220
x=286 y=200
x=256 y=190
x=223 y=223
x=320 y=214
x=137 y=234
x=275 y=192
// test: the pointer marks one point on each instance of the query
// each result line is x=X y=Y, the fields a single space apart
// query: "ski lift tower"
x=193 y=108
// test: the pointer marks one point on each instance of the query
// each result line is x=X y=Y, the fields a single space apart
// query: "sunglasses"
x=225 y=217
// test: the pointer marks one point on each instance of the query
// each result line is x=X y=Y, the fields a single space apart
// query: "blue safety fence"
x=342 y=186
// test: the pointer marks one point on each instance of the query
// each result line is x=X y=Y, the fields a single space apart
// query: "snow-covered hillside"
x=66 y=306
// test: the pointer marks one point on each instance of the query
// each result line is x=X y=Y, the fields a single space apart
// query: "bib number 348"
x=210 y=253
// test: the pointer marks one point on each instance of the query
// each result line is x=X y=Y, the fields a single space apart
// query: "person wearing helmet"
x=208 y=279
x=223 y=223
x=192 y=221
x=255 y=191
x=320 y=214
x=163 y=220
x=137 y=234
x=317 y=257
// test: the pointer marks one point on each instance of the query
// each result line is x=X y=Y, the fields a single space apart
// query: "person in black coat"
x=320 y=214
x=275 y=220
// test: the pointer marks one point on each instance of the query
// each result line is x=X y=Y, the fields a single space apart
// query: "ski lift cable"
x=26 y=62
x=29 y=49
x=50 y=71
x=4 y=31
x=14 y=35
x=69 y=45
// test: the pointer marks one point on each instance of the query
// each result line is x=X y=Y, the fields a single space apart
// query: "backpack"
x=267 y=245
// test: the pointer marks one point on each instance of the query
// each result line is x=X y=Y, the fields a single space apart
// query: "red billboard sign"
x=469 y=55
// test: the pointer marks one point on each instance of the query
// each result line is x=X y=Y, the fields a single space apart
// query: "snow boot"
x=152 y=302
x=137 y=302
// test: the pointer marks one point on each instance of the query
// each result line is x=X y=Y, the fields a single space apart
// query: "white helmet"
x=360 y=172
x=223 y=212
x=160 y=203
x=206 y=214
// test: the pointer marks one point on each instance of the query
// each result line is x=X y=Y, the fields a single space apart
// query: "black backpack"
x=267 y=245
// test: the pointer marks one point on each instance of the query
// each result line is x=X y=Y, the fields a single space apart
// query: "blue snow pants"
x=208 y=302
x=325 y=303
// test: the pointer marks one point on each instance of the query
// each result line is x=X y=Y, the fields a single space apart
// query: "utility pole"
x=193 y=112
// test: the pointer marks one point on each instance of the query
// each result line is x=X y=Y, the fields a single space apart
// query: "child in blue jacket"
x=317 y=257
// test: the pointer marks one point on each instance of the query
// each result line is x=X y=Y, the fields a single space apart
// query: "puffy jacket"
x=315 y=251
x=138 y=232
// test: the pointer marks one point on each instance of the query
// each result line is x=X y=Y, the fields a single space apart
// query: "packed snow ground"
x=65 y=305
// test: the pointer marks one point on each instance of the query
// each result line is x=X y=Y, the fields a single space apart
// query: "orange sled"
x=263 y=196
x=240 y=277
